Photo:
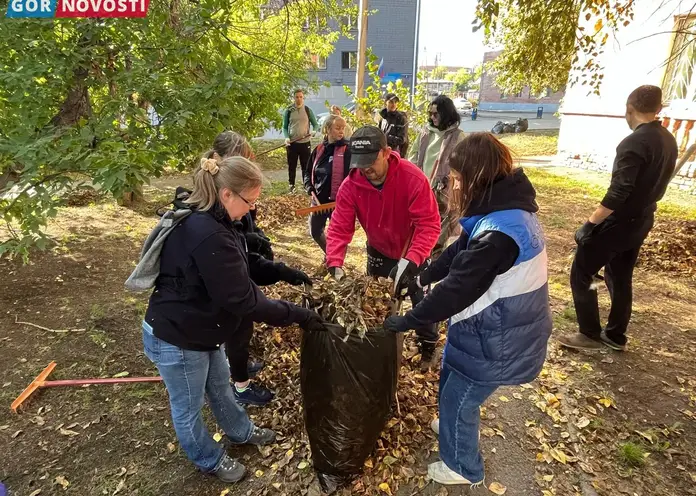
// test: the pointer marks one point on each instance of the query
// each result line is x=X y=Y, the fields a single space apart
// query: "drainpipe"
x=414 y=76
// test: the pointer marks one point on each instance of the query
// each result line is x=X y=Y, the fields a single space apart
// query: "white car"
x=463 y=105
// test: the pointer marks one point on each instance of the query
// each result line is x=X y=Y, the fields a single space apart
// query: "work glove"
x=403 y=273
x=414 y=286
x=293 y=276
x=337 y=273
x=396 y=323
x=310 y=320
x=310 y=190
x=258 y=243
x=583 y=234
x=287 y=141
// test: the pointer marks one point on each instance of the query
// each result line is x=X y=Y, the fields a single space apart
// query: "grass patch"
x=531 y=143
x=276 y=188
x=632 y=454
x=277 y=159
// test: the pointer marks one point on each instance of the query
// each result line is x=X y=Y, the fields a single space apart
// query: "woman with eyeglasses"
x=431 y=153
x=205 y=295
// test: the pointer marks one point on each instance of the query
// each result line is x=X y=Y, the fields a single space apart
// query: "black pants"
x=614 y=245
x=317 y=224
x=237 y=349
x=379 y=265
x=297 y=151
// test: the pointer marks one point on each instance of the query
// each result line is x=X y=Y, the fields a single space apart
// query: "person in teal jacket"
x=297 y=120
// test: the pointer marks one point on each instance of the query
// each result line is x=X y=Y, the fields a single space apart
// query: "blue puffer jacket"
x=493 y=289
x=501 y=338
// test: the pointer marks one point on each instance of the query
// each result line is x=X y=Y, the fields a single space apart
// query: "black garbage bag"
x=498 y=128
x=521 y=125
x=348 y=386
x=508 y=128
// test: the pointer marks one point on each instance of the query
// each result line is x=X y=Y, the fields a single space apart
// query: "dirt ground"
x=603 y=423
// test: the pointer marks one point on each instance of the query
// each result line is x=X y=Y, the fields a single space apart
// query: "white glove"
x=287 y=141
x=337 y=272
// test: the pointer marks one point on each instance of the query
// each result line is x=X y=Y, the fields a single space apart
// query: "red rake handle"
x=82 y=382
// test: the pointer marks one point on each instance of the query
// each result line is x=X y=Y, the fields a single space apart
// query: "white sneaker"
x=435 y=426
x=442 y=474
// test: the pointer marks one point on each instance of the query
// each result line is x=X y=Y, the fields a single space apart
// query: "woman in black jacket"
x=328 y=166
x=204 y=295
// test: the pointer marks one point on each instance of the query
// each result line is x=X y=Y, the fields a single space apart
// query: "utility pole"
x=362 y=55
x=414 y=75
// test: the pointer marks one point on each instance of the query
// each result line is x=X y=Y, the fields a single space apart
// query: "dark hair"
x=298 y=90
x=391 y=96
x=480 y=159
x=230 y=144
x=646 y=99
x=448 y=112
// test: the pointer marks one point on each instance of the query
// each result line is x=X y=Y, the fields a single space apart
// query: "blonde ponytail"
x=237 y=174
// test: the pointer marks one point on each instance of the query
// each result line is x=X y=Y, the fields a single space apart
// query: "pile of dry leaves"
x=279 y=211
x=358 y=303
x=671 y=247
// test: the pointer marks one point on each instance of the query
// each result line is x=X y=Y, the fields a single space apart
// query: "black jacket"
x=206 y=285
x=468 y=267
x=643 y=168
x=322 y=175
x=395 y=127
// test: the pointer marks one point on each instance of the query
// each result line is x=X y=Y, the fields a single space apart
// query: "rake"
x=41 y=382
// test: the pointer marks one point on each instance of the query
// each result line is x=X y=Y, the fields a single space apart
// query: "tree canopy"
x=110 y=102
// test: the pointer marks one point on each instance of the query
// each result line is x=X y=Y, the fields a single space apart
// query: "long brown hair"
x=230 y=144
x=480 y=159
x=237 y=174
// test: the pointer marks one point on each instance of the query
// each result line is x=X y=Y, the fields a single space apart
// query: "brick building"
x=493 y=98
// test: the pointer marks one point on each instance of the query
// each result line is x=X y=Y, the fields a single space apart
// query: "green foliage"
x=75 y=95
x=462 y=79
x=543 y=40
x=373 y=100
x=632 y=454
x=438 y=73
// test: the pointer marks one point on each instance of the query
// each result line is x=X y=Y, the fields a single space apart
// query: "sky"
x=446 y=30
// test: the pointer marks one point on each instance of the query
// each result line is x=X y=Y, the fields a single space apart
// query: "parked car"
x=463 y=106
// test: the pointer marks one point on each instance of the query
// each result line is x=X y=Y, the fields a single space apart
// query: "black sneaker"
x=262 y=437
x=611 y=343
x=253 y=395
x=427 y=356
x=229 y=470
x=292 y=188
x=254 y=367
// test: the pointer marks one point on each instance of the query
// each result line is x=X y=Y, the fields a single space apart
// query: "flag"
x=380 y=68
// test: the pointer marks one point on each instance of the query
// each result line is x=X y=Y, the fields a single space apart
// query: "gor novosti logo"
x=77 y=8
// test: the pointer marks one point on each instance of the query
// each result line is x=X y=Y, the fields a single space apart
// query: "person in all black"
x=204 y=293
x=328 y=166
x=394 y=124
x=614 y=233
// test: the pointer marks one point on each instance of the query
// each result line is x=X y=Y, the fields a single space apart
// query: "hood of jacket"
x=513 y=192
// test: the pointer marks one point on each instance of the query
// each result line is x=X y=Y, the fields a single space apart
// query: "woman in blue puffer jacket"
x=493 y=289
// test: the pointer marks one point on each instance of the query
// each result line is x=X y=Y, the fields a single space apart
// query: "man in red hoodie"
x=392 y=200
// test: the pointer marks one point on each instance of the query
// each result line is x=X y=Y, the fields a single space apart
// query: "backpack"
x=181 y=194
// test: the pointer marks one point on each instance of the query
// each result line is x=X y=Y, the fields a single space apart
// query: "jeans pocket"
x=151 y=343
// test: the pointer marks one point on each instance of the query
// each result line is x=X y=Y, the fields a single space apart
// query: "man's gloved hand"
x=396 y=323
x=414 y=286
x=310 y=190
x=287 y=141
x=337 y=273
x=403 y=273
x=311 y=321
x=584 y=233
x=293 y=276
x=257 y=243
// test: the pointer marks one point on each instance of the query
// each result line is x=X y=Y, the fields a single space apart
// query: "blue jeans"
x=460 y=399
x=189 y=376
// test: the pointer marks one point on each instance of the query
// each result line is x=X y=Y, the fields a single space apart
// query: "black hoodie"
x=468 y=267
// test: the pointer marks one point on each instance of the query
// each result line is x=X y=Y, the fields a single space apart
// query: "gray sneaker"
x=229 y=470
x=611 y=343
x=261 y=437
x=579 y=341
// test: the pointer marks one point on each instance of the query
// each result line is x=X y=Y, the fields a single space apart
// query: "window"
x=317 y=62
x=310 y=22
x=349 y=60
x=351 y=22
x=679 y=81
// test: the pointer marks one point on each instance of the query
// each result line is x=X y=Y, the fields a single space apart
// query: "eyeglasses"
x=252 y=205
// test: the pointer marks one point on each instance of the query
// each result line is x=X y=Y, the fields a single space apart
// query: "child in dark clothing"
x=328 y=166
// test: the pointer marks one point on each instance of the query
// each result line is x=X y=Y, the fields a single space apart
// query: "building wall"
x=390 y=34
x=593 y=125
x=492 y=99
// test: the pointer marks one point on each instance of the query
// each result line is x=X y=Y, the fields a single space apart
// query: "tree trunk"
x=76 y=104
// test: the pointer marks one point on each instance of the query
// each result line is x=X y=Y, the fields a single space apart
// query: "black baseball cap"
x=391 y=96
x=365 y=145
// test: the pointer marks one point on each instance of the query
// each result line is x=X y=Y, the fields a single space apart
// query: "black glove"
x=293 y=276
x=414 y=287
x=311 y=321
x=310 y=189
x=396 y=323
x=584 y=233
x=403 y=273
x=258 y=243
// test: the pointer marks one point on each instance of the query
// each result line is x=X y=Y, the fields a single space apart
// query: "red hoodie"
x=405 y=204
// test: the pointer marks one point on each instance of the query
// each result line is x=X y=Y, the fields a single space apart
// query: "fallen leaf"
x=171 y=447
x=504 y=399
x=384 y=487
x=217 y=437
x=258 y=473
x=558 y=455
x=368 y=463
x=302 y=465
x=497 y=488
x=488 y=432
x=35 y=493
x=277 y=485
x=407 y=472
x=225 y=492
x=16 y=434
x=608 y=360
x=125 y=373
x=289 y=454
x=517 y=396
x=582 y=422
x=68 y=432
x=62 y=481
x=606 y=402
x=120 y=486
x=548 y=478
